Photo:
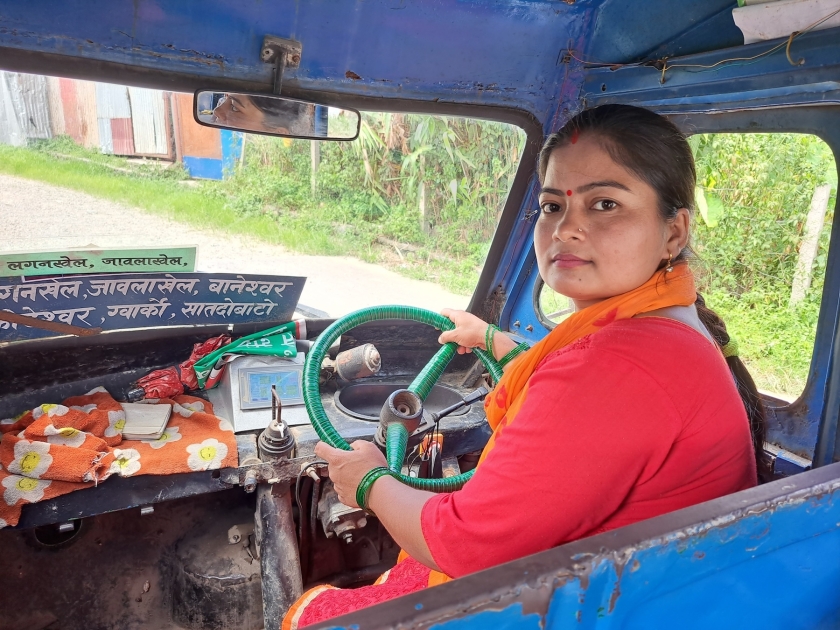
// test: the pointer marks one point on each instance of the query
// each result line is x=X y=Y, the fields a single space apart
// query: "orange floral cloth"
x=55 y=449
x=664 y=289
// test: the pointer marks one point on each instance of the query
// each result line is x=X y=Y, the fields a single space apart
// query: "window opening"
x=417 y=195
x=763 y=214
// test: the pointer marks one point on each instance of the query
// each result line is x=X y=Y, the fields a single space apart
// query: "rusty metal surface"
x=765 y=557
x=150 y=122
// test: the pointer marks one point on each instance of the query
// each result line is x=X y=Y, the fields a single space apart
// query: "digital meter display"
x=255 y=386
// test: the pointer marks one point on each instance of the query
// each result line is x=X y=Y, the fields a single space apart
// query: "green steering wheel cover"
x=421 y=385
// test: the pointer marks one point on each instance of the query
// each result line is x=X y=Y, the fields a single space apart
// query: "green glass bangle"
x=488 y=338
x=510 y=356
x=366 y=484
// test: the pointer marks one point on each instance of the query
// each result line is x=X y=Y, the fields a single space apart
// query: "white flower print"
x=31 y=459
x=49 y=410
x=225 y=425
x=17 y=488
x=170 y=434
x=85 y=408
x=68 y=436
x=3 y=523
x=126 y=462
x=116 y=423
x=188 y=409
x=206 y=456
x=8 y=421
x=97 y=390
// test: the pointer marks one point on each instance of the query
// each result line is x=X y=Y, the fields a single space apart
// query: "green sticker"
x=75 y=261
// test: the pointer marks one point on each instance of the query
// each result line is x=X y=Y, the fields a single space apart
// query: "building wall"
x=114 y=119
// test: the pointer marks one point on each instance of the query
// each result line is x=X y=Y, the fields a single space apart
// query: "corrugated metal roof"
x=110 y=118
x=56 y=106
x=112 y=101
x=33 y=91
x=24 y=108
x=122 y=136
x=149 y=121
x=112 y=104
x=85 y=112
x=11 y=111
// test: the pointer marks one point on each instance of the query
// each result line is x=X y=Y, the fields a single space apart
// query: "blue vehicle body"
x=767 y=557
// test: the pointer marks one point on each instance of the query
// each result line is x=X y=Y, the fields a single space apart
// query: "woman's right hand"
x=469 y=331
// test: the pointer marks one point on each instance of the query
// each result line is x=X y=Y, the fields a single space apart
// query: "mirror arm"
x=278 y=73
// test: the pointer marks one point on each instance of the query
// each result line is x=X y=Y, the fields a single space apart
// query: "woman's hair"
x=653 y=149
x=295 y=116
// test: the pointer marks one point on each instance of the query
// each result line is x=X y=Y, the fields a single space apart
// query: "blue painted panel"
x=231 y=149
x=511 y=618
x=120 y=301
x=506 y=51
x=707 y=81
x=627 y=32
x=204 y=168
x=763 y=558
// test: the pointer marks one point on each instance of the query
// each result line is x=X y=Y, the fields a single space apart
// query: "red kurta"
x=637 y=420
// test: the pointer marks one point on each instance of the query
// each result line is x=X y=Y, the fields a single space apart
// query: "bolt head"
x=266 y=53
x=295 y=58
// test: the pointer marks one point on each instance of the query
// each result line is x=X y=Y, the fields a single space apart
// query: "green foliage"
x=754 y=192
x=757 y=190
x=372 y=187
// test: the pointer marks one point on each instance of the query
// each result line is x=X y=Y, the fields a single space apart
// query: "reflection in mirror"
x=275 y=115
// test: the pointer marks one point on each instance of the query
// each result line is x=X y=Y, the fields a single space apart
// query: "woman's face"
x=599 y=232
x=237 y=110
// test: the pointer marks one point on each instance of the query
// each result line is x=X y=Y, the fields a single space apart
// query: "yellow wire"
x=665 y=67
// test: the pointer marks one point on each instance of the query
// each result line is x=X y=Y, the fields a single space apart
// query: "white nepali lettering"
x=142 y=286
x=32 y=291
x=130 y=311
x=227 y=308
x=221 y=286
x=65 y=316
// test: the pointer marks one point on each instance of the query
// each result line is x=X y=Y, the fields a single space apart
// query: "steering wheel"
x=402 y=412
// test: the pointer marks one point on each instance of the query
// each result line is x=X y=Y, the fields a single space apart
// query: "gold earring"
x=669 y=268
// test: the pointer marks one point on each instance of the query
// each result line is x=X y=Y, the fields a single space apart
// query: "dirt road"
x=37 y=216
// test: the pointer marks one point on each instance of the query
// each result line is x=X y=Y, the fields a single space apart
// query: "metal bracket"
x=277 y=471
x=282 y=53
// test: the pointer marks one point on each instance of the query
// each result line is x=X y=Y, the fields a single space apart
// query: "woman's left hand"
x=347 y=468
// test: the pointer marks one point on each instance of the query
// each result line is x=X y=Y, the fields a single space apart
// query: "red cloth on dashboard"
x=640 y=419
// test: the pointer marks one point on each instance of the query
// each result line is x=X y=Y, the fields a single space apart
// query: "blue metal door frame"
x=768 y=557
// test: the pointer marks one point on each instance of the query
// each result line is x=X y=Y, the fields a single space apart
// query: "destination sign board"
x=145 y=300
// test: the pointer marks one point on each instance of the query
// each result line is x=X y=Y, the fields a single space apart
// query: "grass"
x=776 y=343
x=160 y=192
x=168 y=192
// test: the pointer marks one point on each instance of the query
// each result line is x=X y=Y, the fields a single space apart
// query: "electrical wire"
x=663 y=66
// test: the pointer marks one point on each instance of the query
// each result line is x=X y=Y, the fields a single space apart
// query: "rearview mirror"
x=275 y=116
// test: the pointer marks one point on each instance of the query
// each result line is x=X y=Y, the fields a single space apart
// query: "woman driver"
x=626 y=410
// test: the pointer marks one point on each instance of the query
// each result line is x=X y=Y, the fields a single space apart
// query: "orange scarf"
x=503 y=404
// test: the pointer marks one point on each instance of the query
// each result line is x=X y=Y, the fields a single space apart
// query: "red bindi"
x=575 y=136
x=568 y=193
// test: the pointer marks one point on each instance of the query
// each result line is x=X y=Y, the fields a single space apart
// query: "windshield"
x=403 y=214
